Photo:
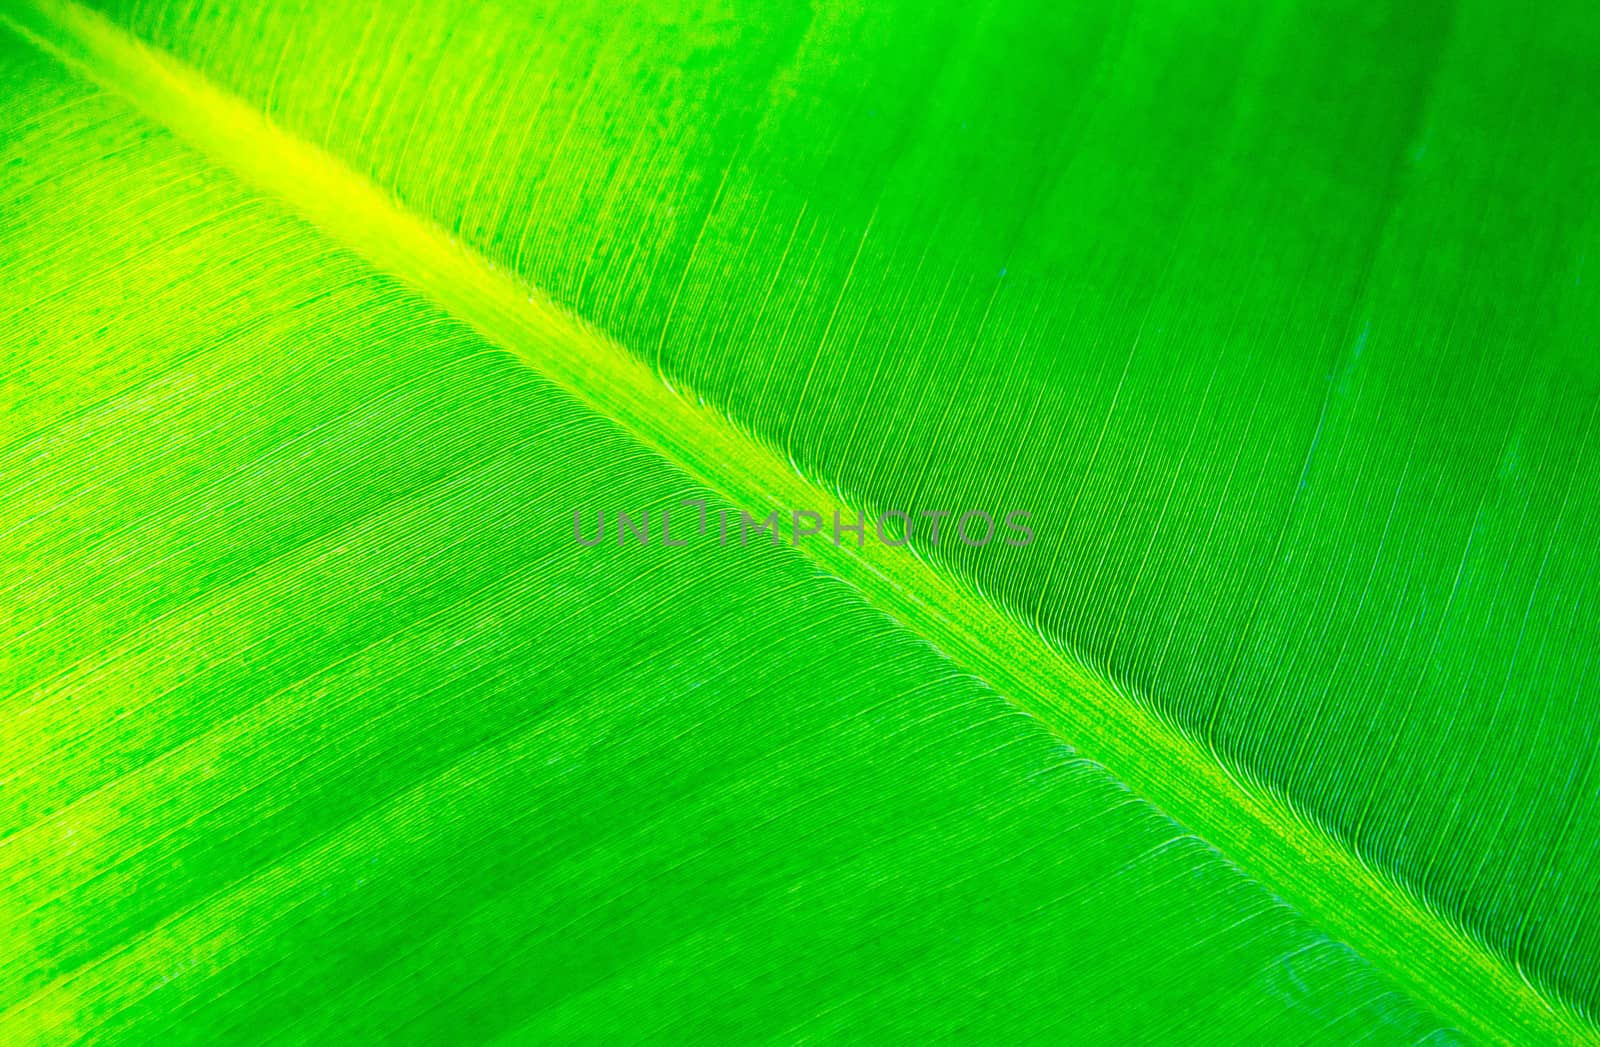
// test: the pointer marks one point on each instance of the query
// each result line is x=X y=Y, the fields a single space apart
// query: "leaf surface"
x=1300 y=480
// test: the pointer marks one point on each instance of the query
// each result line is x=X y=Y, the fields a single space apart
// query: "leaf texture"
x=1308 y=428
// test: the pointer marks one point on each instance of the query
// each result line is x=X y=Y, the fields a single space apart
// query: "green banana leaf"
x=1264 y=337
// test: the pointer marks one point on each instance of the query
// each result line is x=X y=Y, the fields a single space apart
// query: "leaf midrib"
x=1428 y=954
